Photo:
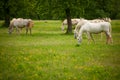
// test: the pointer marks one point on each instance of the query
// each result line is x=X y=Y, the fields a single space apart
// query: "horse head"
x=79 y=38
x=10 y=29
x=75 y=34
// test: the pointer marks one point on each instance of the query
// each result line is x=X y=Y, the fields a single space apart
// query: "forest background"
x=58 y=9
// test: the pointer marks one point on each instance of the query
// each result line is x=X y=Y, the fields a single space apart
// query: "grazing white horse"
x=20 y=23
x=73 y=21
x=90 y=28
x=78 y=26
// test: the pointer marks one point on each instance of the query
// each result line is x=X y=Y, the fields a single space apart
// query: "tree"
x=59 y=9
x=6 y=11
x=60 y=6
x=68 y=15
x=15 y=8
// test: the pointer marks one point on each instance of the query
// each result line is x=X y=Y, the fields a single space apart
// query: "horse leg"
x=109 y=38
x=12 y=29
x=30 y=31
x=17 y=30
x=92 y=37
x=26 y=30
x=20 y=29
x=88 y=35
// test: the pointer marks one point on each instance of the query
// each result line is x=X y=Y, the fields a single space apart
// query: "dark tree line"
x=59 y=9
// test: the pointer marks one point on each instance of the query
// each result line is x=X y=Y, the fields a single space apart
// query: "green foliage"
x=49 y=54
x=55 y=9
x=118 y=16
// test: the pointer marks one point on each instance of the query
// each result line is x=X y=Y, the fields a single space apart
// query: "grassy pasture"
x=49 y=54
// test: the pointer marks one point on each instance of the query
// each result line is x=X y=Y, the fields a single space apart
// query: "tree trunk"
x=6 y=13
x=7 y=18
x=69 y=28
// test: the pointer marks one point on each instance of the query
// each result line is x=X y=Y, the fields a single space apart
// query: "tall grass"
x=49 y=54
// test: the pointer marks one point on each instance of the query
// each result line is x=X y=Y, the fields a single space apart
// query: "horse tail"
x=110 y=29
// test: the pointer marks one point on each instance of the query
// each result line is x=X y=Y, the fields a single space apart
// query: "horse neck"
x=80 y=32
x=83 y=22
x=11 y=26
x=77 y=28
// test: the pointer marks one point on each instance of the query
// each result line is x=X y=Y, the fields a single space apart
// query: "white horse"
x=73 y=21
x=20 y=23
x=78 y=26
x=90 y=28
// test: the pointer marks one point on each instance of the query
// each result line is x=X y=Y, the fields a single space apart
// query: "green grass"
x=49 y=54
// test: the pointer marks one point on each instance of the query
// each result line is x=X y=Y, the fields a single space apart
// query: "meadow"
x=50 y=54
